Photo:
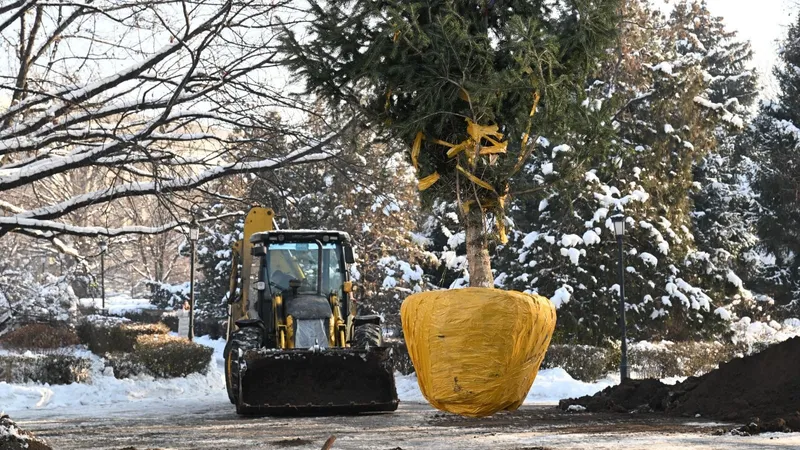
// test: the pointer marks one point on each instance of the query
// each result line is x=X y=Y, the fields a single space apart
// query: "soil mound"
x=765 y=385
x=14 y=438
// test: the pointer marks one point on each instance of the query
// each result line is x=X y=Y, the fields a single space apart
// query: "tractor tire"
x=367 y=335
x=246 y=338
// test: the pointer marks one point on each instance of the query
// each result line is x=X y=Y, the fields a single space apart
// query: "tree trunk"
x=480 y=267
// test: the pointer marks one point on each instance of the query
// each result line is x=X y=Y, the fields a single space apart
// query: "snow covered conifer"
x=656 y=120
x=463 y=83
x=775 y=139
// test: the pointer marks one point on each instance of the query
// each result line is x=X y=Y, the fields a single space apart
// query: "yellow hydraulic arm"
x=257 y=220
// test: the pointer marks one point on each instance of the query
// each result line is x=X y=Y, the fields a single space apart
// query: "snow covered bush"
x=37 y=337
x=165 y=356
x=103 y=337
x=44 y=369
x=168 y=296
x=582 y=362
x=29 y=299
x=753 y=336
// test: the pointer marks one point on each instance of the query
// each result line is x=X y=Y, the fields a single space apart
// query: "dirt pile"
x=14 y=438
x=765 y=385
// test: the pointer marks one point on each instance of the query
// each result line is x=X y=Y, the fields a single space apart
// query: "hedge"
x=39 y=336
x=582 y=362
x=49 y=369
x=161 y=356
x=104 y=337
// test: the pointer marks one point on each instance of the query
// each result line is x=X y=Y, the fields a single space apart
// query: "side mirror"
x=259 y=250
x=349 y=258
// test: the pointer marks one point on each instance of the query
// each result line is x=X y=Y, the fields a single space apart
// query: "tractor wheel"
x=245 y=339
x=367 y=335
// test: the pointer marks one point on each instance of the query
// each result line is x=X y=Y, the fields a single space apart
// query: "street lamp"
x=194 y=233
x=103 y=247
x=619 y=230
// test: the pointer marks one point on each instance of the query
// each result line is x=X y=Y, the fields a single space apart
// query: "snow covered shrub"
x=752 y=336
x=677 y=359
x=39 y=337
x=31 y=300
x=125 y=365
x=115 y=336
x=49 y=369
x=168 y=296
x=167 y=356
x=582 y=362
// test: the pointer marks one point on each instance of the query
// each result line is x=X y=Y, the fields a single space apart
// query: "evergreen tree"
x=466 y=81
x=725 y=204
x=774 y=138
x=659 y=118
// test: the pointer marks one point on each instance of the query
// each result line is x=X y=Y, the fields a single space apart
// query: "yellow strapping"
x=456 y=149
x=425 y=183
x=495 y=148
x=501 y=231
x=415 y=149
x=476 y=132
x=493 y=345
x=475 y=179
x=536 y=98
x=441 y=142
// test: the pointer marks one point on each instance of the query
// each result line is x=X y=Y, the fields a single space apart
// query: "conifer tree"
x=654 y=101
x=464 y=83
x=774 y=138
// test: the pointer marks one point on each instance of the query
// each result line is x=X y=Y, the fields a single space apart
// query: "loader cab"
x=302 y=287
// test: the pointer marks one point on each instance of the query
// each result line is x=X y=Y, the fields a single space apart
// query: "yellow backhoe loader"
x=295 y=344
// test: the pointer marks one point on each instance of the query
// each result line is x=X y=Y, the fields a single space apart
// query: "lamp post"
x=619 y=231
x=103 y=247
x=194 y=233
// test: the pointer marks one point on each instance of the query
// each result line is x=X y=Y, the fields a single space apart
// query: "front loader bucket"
x=326 y=381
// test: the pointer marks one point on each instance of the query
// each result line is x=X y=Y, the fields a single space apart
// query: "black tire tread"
x=367 y=335
x=246 y=338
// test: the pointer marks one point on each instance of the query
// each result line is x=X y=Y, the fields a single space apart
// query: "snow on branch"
x=52 y=228
x=105 y=101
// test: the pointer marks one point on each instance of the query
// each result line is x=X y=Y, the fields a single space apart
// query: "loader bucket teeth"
x=329 y=381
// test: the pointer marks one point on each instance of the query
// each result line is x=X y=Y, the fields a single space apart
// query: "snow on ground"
x=107 y=391
x=143 y=393
x=550 y=386
x=117 y=304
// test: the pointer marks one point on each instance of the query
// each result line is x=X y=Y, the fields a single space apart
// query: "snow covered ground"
x=107 y=392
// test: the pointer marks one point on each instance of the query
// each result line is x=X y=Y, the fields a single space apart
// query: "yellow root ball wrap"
x=476 y=351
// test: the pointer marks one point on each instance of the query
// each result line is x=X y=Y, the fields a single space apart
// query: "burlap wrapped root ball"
x=476 y=351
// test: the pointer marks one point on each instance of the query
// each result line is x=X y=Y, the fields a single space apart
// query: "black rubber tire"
x=246 y=338
x=228 y=387
x=367 y=335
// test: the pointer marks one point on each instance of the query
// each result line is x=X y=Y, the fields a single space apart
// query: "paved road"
x=413 y=426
